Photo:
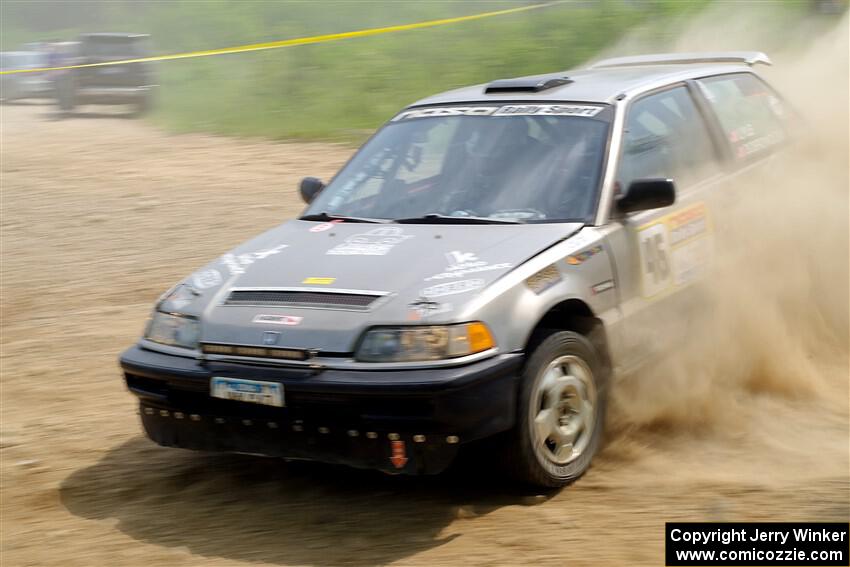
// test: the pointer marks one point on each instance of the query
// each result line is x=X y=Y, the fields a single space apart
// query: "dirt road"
x=101 y=214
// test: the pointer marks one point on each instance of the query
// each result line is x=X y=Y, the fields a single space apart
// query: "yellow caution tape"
x=296 y=41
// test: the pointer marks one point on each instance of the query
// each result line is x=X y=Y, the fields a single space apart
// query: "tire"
x=65 y=95
x=561 y=412
x=10 y=93
x=143 y=106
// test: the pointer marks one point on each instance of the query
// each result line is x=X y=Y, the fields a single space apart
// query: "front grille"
x=287 y=298
x=253 y=351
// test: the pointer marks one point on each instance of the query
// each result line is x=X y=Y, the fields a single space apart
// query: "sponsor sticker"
x=376 y=242
x=277 y=319
x=580 y=257
x=424 y=308
x=452 y=288
x=324 y=226
x=675 y=249
x=602 y=287
x=319 y=281
x=180 y=297
x=462 y=264
x=207 y=278
x=544 y=279
x=236 y=263
x=507 y=110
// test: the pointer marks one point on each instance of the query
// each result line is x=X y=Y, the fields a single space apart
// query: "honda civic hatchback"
x=478 y=271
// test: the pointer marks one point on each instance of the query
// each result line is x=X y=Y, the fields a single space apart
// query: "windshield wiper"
x=435 y=218
x=325 y=217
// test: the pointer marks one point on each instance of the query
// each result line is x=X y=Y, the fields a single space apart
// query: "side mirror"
x=646 y=194
x=310 y=187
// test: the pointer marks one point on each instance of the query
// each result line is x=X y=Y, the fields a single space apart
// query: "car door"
x=662 y=252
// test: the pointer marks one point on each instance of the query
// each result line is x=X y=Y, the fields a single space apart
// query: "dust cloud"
x=765 y=356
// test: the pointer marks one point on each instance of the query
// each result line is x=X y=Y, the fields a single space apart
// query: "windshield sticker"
x=236 y=264
x=319 y=281
x=508 y=110
x=452 y=288
x=206 y=279
x=464 y=263
x=376 y=242
x=277 y=319
x=548 y=110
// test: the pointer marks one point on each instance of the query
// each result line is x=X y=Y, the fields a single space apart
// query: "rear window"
x=750 y=113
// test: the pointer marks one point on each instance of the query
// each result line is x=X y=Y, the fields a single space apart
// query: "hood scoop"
x=355 y=300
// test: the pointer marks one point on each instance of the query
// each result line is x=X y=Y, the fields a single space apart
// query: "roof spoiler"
x=748 y=57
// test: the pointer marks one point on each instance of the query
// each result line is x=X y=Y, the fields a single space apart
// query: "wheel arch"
x=574 y=315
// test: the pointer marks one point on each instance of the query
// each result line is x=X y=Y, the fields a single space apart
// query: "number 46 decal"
x=655 y=259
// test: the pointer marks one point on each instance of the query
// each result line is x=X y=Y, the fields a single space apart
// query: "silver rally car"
x=477 y=271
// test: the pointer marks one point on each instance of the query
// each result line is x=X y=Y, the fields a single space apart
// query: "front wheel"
x=561 y=411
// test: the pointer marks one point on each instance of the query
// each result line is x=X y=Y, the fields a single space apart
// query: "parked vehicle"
x=21 y=86
x=477 y=271
x=121 y=84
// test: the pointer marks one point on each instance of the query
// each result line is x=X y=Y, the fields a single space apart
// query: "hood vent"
x=526 y=85
x=330 y=299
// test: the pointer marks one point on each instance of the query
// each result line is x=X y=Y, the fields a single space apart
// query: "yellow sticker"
x=675 y=249
x=319 y=281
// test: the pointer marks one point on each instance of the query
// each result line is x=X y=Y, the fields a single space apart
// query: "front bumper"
x=111 y=95
x=396 y=420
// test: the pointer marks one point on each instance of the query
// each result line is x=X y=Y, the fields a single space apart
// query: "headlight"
x=174 y=330
x=418 y=343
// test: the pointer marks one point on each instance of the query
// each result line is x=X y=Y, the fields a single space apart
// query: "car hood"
x=319 y=285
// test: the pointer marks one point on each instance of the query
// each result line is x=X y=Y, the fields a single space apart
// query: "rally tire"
x=560 y=414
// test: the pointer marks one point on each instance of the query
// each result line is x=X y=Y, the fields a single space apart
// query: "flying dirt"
x=748 y=421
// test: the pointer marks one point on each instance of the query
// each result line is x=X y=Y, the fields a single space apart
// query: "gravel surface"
x=100 y=214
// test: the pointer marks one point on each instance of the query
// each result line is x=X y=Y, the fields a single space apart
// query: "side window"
x=751 y=115
x=665 y=136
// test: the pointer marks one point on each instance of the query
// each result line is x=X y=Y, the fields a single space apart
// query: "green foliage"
x=342 y=90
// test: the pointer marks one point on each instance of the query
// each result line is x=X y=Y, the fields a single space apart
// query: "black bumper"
x=359 y=418
x=111 y=95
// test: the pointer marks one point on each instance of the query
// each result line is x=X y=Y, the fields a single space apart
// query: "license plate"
x=252 y=391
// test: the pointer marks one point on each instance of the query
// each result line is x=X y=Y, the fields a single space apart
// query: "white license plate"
x=252 y=391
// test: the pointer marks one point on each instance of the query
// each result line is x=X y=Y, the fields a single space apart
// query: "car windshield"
x=520 y=163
